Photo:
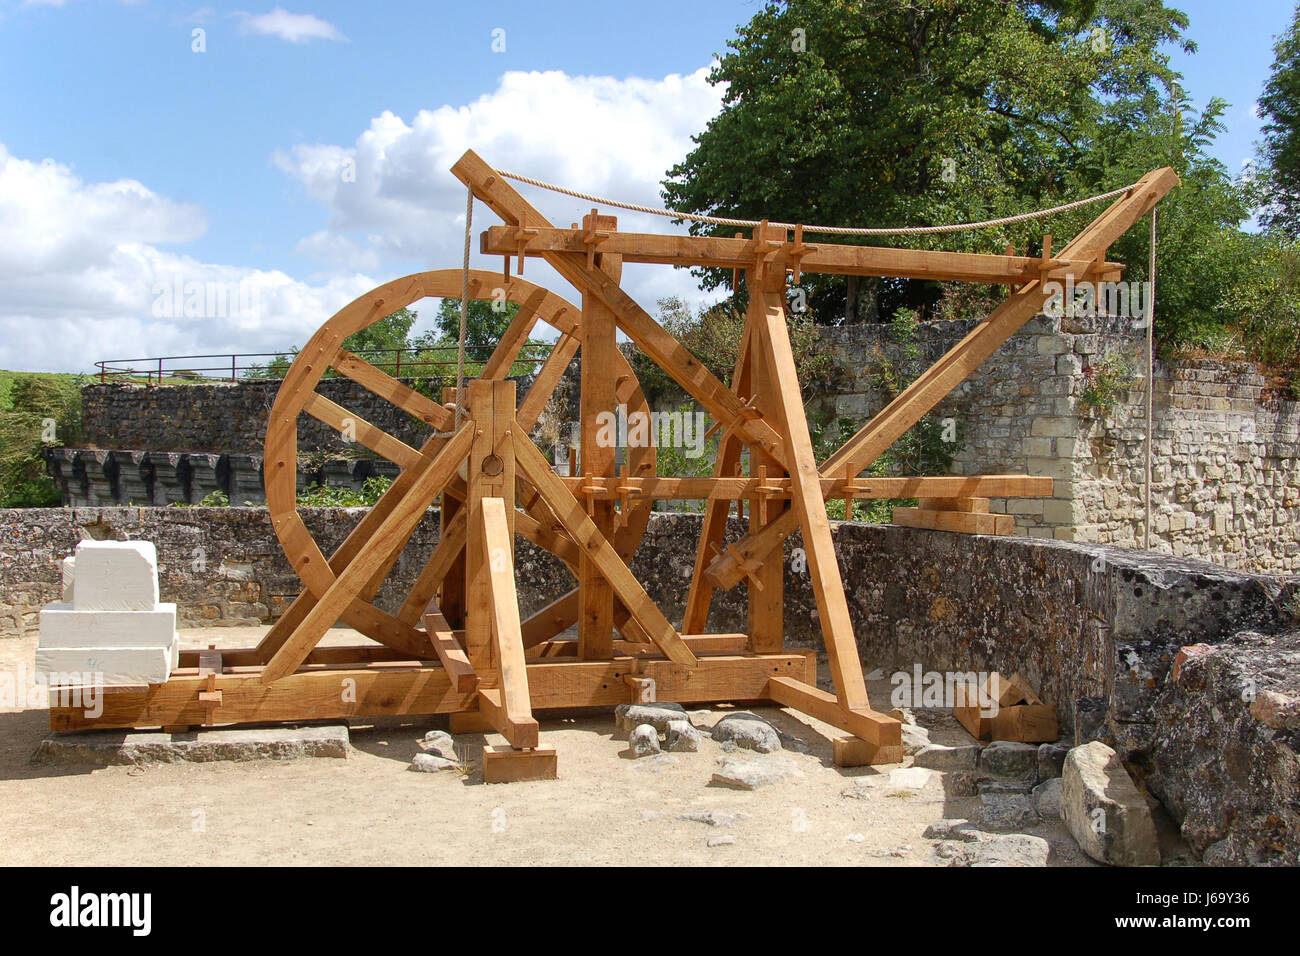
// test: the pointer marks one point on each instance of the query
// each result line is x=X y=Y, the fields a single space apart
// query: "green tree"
x=390 y=332
x=1279 y=106
x=874 y=112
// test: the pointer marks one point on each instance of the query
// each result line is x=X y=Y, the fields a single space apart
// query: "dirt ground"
x=370 y=809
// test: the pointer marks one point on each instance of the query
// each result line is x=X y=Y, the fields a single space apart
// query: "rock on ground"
x=440 y=744
x=682 y=737
x=1051 y=758
x=1047 y=799
x=628 y=716
x=199 y=746
x=431 y=763
x=1011 y=849
x=914 y=739
x=1005 y=811
x=962 y=831
x=752 y=774
x=1103 y=809
x=643 y=741
x=939 y=757
x=1010 y=760
x=714 y=818
x=749 y=731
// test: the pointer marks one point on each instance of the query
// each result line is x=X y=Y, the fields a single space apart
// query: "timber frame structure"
x=474 y=658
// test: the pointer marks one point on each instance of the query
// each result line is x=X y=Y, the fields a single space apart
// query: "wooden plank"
x=450 y=653
x=823 y=567
x=877 y=729
x=856 y=752
x=961 y=522
x=371 y=436
x=451 y=589
x=833 y=258
x=971 y=505
x=395 y=529
x=507 y=765
x=915 y=401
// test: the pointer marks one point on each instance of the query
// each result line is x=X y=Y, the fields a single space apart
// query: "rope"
x=833 y=230
x=464 y=309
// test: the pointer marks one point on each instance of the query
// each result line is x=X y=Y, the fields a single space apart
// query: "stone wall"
x=1226 y=450
x=1225 y=455
x=1095 y=628
x=223 y=417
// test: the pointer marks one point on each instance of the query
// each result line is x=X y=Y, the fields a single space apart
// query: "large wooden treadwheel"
x=457 y=644
x=532 y=520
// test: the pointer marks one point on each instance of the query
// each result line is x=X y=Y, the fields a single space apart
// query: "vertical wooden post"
x=766 y=584
x=599 y=453
x=451 y=593
x=490 y=474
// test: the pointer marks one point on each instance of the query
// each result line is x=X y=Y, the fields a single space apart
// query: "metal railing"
x=437 y=361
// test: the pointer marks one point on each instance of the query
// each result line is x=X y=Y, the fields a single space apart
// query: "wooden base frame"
x=458 y=644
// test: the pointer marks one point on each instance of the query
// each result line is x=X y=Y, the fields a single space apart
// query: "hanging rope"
x=1151 y=324
x=832 y=230
x=464 y=309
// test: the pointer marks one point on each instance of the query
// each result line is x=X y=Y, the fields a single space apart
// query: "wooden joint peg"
x=797 y=250
x=592 y=236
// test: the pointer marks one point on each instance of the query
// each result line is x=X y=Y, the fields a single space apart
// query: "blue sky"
x=131 y=159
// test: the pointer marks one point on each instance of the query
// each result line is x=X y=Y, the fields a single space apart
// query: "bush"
x=41 y=411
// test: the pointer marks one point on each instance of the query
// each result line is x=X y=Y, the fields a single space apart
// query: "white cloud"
x=391 y=191
x=82 y=278
x=293 y=27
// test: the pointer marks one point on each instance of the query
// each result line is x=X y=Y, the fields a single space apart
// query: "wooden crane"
x=458 y=645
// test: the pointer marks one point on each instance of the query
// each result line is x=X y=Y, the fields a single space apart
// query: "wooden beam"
x=450 y=653
x=809 y=506
x=362 y=431
x=878 y=729
x=511 y=668
x=840 y=259
x=490 y=473
x=585 y=534
x=397 y=688
x=728 y=489
x=598 y=401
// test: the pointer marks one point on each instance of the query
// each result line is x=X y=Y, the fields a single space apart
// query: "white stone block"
x=69 y=576
x=116 y=576
x=107 y=666
x=63 y=625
